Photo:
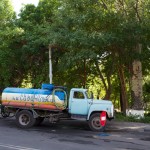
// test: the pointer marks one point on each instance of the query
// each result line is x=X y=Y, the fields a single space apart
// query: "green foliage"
x=89 y=40
x=146 y=94
x=36 y=22
x=113 y=28
x=6 y=12
x=7 y=54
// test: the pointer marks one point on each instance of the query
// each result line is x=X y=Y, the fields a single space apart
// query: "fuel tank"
x=48 y=97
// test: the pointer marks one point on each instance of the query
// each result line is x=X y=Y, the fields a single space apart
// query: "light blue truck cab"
x=84 y=107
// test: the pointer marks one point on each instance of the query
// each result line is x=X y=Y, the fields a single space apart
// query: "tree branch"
x=104 y=5
x=101 y=76
x=123 y=6
x=136 y=10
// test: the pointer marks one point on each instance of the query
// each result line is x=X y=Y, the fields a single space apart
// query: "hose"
x=59 y=106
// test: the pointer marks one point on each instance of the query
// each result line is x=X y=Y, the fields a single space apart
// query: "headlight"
x=112 y=110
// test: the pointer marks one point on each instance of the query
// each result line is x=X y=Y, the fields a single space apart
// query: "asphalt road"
x=71 y=135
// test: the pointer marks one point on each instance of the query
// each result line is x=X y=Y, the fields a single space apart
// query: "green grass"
x=122 y=117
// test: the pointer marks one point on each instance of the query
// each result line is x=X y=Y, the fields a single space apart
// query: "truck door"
x=79 y=104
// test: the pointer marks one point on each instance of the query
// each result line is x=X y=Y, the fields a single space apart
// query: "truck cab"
x=79 y=103
x=84 y=107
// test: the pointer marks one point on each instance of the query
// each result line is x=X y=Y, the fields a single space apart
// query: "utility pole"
x=50 y=64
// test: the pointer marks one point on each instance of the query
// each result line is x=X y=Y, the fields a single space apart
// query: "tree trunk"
x=136 y=82
x=108 y=93
x=107 y=86
x=123 y=95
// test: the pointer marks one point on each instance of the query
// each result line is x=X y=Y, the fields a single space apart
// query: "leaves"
x=82 y=34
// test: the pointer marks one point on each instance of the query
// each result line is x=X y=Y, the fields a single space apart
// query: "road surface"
x=71 y=135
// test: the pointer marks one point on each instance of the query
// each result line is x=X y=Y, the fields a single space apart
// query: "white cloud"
x=17 y=4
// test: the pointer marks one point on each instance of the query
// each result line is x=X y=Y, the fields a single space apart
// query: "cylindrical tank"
x=46 y=98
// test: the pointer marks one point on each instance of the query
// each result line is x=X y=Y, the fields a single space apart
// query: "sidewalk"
x=127 y=126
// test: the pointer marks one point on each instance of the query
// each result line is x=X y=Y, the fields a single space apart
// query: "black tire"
x=25 y=119
x=94 y=123
x=38 y=121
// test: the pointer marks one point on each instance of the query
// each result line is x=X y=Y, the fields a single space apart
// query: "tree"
x=36 y=23
x=7 y=54
x=116 y=28
x=90 y=39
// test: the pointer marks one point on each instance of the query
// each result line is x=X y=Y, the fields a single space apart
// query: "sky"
x=17 y=4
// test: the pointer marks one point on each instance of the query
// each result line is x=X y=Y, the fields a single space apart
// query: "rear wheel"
x=25 y=119
x=94 y=122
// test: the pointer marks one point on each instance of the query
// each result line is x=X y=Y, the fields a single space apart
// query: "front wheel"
x=25 y=119
x=94 y=122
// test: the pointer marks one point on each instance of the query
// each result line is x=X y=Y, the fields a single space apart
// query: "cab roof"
x=79 y=89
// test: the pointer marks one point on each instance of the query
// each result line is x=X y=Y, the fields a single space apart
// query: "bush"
x=122 y=117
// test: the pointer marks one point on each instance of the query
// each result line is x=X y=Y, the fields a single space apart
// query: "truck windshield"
x=89 y=94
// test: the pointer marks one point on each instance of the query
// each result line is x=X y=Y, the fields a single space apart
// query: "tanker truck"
x=31 y=106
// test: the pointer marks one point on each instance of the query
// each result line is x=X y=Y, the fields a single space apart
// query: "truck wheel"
x=25 y=119
x=39 y=120
x=94 y=123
